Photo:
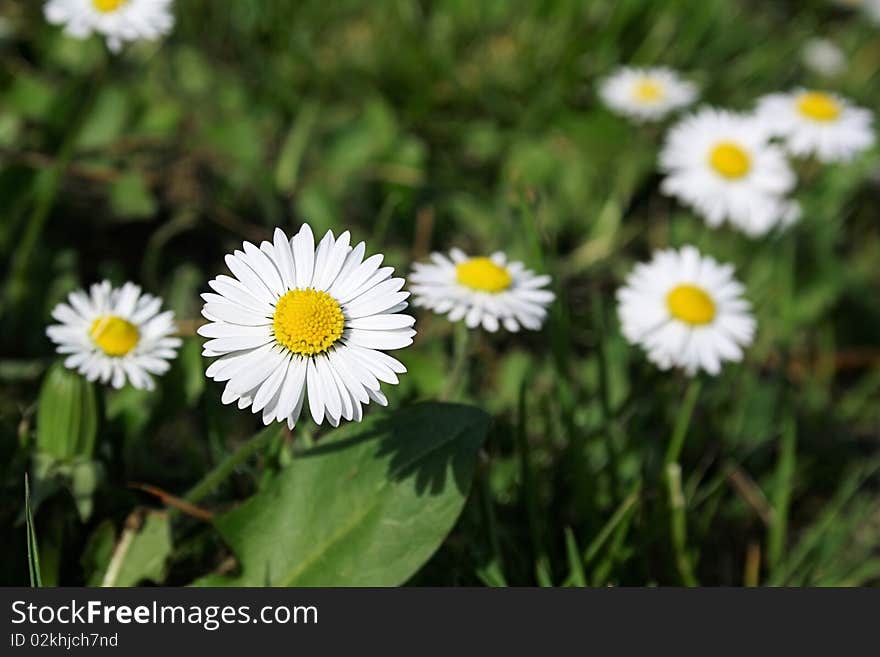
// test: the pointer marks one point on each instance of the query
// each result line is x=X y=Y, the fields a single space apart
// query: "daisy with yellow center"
x=115 y=335
x=297 y=324
x=685 y=310
x=646 y=94
x=118 y=21
x=483 y=291
x=813 y=123
x=722 y=165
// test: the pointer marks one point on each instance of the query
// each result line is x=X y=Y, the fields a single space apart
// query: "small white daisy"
x=114 y=335
x=823 y=58
x=723 y=166
x=685 y=310
x=817 y=123
x=118 y=21
x=297 y=323
x=646 y=94
x=488 y=291
x=871 y=8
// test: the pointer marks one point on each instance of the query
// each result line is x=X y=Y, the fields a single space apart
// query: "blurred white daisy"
x=114 y=335
x=823 y=58
x=297 y=323
x=646 y=94
x=685 y=310
x=118 y=21
x=491 y=291
x=871 y=8
x=723 y=166
x=817 y=123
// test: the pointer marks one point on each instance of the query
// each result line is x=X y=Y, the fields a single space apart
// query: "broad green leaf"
x=141 y=553
x=67 y=416
x=366 y=507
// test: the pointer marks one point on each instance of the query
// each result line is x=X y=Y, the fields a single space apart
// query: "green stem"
x=46 y=186
x=230 y=463
x=672 y=475
x=682 y=422
x=611 y=428
x=617 y=517
x=785 y=468
x=678 y=524
x=456 y=382
x=485 y=488
x=529 y=492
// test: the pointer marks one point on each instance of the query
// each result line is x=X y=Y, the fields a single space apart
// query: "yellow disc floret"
x=691 y=304
x=307 y=321
x=108 y=6
x=818 y=106
x=730 y=160
x=483 y=275
x=114 y=335
x=648 y=91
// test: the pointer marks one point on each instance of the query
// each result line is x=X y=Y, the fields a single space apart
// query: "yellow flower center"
x=108 y=6
x=483 y=275
x=818 y=106
x=691 y=304
x=648 y=91
x=114 y=335
x=730 y=160
x=308 y=321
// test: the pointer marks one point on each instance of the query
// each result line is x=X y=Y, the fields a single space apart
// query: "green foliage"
x=33 y=550
x=366 y=507
x=67 y=415
x=419 y=127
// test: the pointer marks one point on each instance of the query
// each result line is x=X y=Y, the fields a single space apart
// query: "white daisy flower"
x=722 y=165
x=297 y=323
x=114 y=335
x=871 y=8
x=489 y=291
x=685 y=310
x=823 y=58
x=817 y=123
x=118 y=21
x=646 y=94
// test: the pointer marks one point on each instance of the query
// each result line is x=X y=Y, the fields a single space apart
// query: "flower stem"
x=46 y=185
x=216 y=476
x=785 y=468
x=675 y=495
x=682 y=422
x=456 y=383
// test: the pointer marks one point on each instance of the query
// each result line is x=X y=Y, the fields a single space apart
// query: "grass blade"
x=33 y=551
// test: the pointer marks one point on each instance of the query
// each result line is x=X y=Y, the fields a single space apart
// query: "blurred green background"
x=422 y=126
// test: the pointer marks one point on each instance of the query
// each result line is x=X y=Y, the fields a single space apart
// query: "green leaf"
x=33 y=551
x=31 y=96
x=106 y=120
x=98 y=552
x=366 y=507
x=141 y=553
x=67 y=416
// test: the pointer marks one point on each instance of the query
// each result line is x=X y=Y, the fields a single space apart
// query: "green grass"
x=422 y=126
